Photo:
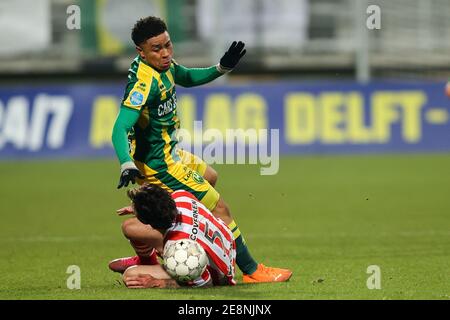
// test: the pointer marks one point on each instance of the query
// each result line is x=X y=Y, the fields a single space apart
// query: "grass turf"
x=326 y=217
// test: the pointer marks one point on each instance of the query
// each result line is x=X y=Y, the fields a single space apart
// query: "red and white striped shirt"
x=194 y=221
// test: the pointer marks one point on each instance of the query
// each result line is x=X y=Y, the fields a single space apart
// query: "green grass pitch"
x=326 y=217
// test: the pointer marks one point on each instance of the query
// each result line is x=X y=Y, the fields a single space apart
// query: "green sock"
x=244 y=260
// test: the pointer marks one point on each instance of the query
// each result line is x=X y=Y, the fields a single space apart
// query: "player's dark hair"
x=153 y=205
x=147 y=28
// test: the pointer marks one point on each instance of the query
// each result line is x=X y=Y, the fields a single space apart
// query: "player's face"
x=157 y=51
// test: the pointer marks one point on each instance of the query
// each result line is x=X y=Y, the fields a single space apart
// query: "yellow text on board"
x=329 y=117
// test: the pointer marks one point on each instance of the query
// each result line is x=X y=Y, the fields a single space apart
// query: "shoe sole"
x=117 y=266
x=283 y=279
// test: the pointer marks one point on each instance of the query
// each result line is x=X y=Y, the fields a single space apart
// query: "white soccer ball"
x=184 y=260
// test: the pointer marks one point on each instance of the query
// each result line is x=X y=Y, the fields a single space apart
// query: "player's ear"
x=140 y=51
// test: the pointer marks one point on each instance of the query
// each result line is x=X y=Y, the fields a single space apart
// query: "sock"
x=244 y=260
x=144 y=252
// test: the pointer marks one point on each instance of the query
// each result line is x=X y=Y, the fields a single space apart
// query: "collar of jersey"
x=148 y=65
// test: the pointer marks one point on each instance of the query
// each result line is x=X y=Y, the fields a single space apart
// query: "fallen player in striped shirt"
x=174 y=217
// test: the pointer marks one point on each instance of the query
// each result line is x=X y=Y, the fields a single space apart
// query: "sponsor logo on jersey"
x=195 y=224
x=141 y=86
x=167 y=107
x=136 y=98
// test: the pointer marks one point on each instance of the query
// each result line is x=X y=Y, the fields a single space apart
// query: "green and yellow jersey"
x=149 y=107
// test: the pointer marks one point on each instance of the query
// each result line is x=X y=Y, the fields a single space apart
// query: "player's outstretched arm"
x=125 y=211
x=124 y=122
x=190 y=77
x=231 y=58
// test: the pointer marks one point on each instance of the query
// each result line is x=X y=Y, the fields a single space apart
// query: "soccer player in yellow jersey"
x=149 y=109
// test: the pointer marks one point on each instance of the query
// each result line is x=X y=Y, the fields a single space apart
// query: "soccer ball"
x=184 y=260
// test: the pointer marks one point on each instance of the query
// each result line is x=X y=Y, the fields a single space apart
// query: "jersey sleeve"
x=124 y=122
x=137 y=94
x=191 y=77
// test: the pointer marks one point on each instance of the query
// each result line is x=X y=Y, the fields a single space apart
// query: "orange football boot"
x=267 y=274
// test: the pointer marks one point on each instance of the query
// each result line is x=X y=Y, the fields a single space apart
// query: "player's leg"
x=253 y=272
x=140 y=277
x=180 y=177
x=139 y=233
x=211 y=176
x=246 y=263
x=144 y=241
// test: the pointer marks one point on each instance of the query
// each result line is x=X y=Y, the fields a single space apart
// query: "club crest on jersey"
x=136 y=98
x=197 y=177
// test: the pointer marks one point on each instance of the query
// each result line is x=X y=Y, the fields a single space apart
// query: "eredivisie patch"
x=136 y=98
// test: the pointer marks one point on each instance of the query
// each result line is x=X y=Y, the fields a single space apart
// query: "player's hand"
x=129 y=173
x=143 y=281
x=125 y=211
x=231 y=58
x=140 y=281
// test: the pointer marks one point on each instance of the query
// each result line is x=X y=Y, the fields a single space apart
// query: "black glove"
x=231 y=58
x=129 y=175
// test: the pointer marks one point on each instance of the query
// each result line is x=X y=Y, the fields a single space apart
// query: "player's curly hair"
x=146 y=28
x=153 y=205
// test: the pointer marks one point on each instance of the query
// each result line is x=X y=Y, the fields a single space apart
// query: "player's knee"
x=130 y=272
x=211 y=176
x=222 y=211
x=129 y=228
x=223 y=207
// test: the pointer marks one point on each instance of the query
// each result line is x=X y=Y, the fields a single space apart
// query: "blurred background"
x=348 y=75
x=300 y=39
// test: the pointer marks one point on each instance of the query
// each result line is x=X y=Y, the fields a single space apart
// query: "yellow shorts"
x=186 y=174
x=192 y=161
